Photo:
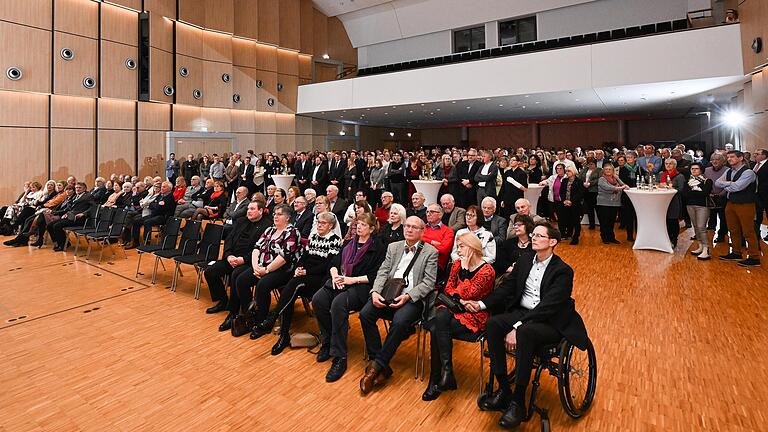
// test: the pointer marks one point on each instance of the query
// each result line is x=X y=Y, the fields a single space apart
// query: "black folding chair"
x=101 y=222
x=207 y=250
x=112 y=234
x=190 y=235
x=168 y=241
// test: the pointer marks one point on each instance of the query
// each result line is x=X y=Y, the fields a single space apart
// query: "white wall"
x=397 y=51
x=606 y=15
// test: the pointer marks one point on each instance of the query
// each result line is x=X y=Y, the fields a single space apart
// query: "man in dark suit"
x=318 y=176
x=236 y=210
x=337 y=204
x=396 y=179
x=246 y=175
x=189 y=168
x=161 y=208
x=302 y=217
x=99 y=193
x=302 y=169
x=492 y=222
x=237 y=255
x=79 y=208
x=761 y=196
x=336 y=174
x=530 y=309
x=467 y=170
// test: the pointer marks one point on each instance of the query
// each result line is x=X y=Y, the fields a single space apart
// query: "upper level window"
x=469 y=39
x=517 y=31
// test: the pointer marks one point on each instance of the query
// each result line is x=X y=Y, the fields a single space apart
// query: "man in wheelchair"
x=531 y=308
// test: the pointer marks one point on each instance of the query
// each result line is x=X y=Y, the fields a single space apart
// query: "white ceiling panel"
x=338 y=7
x=372 y=25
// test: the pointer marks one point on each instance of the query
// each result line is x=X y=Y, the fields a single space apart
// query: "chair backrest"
x=170 y=233
x=210 y=245
x=118 y=222
x=104 y=218
x=190 y=234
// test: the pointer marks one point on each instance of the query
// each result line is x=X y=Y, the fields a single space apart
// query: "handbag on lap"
x=394 y=287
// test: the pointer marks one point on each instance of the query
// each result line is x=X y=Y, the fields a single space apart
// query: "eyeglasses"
x=518 y=224
x=537 y=235
x=409 y=226
x=470 y=215
x=432 y=211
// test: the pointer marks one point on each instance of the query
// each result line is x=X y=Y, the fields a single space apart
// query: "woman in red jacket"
x=217 y=203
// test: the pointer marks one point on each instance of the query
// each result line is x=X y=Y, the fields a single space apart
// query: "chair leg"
x=198 y=282
x=88 y=253
x=101 y=251
x=77 y=244
x=482 y=376
x=175 y=277
x=154 y=270
x=138 y=263
x=307 y=307
x=418 y=350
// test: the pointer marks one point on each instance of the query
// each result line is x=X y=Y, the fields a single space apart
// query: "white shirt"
x=314 y=172
x=532 y=293
x=567 y=162
x=405 y=261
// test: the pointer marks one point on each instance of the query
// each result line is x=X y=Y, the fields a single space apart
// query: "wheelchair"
x=576 y=373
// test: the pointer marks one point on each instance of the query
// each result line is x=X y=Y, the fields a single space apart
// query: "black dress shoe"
x=283 y=342
x=58 y=248
x=324 y=354
x=431 y=393
x=630 y=239
x=496 y=401
x=513 y=416
x=227 y=324
x=614 y=241
x=10 y=242
x=257 y=333
x=218 y=307
x=447 y=380
x=574 y=241
x=268 y=323
x=337 y=369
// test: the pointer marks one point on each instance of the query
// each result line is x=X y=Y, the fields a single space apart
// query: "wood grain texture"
x=290 y=24
x=79 y=17
x=117 y=152
x=117 y=81
x=753 y=15
x=151 y=153
x=307 y=23
x=189 y=40
x=247 y=18
x=269 y=21
x=160 y=32
x=192 y=11
x=286 y=143
x=288 y=96
x=286 y=124
x=266 y=122
x=287 y=62
x=160 y=74
x=244 y=52
x=219 y=15
x=154 y=116
x=133 y=4
x=73 y=153
x=305 y=66
x=33 y=13
x=244 y=84
x=266 y=57
x=116 y=114
x=68 y=76
x=119 y=25
x=303 y=125
x=217 y=47
x=216 y=92
x=16 y=167
x=245 y=142
x=28 y=109
x=320 y=32
x=186 y=85
x=339 y=45
x=243 y=121
x=166 y=8
x=217 y=119
x=267 y=91
x=187 y=118
x=72 y=112
x=35 y=65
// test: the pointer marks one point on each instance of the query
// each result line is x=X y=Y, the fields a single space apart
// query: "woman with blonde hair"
x=471 y=278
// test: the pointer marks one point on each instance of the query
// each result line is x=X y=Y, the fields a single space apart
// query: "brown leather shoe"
x=383 y=376
x=368 y=381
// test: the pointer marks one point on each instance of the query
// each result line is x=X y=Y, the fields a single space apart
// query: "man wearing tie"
x=318 y=180
x=467 y=170
x=303 y=170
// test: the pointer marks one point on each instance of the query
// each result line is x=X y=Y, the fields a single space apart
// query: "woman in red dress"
x=413 y=173
x=471 y=278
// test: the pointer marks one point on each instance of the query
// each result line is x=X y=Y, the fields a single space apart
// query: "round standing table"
x=283 y=181
x=532 y=194
x=651 y=208
x=430 y=189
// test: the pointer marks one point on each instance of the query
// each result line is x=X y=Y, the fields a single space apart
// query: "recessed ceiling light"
x=527 y=95
x=523 y=106
x=578 y=100
x=422 y=104
x=386 y=113
x=367 y=109
x=487 y=98
x=469 y=107
x=437 y=109
x=431 y=113
x=453 y=101
x=537 y=102
x=501 y=105
x=410 y=111
x=409 y=134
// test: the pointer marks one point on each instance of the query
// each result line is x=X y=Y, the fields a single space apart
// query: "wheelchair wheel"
x=577 y=379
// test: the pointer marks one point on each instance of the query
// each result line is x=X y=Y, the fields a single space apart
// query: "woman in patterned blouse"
x=471 y=278
x=310 y=274
x=273 y=258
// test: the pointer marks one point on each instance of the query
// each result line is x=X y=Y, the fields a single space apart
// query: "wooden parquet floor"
x=680 y=347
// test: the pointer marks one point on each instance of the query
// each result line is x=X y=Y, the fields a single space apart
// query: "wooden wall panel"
x=151 y=154
x=266 y=57
x=133 y=4
x=154 y=116
x=18 y=168
x=187 y=118
x=116 y=114
x=320 y=31
x=68 y=75
x=192 y=11
x=286 y=123
x=244 y=84
x=217 y=119
x=166 y=8
x=759 y=92
x=288 y=96
x=501 y=136
x=269 y=21
x=189 y=40
x=286 y=143
x=265 y=143
x=160 y=74
x=219 y=15
x=216 y=92
x=117 y=152
x=753 y=15
x=290 y=24
x=243 y=121
x=244 y=52
x=119 y=25
x=339 y=45
x=303 y=125
x=319 y=127
x=73 y=153
x=73 y=112
x=325 y=72
x=217 y=47
x=160 y=32
x=570 y=135
x=117 y=81
x=35 y=65
x=305 y=67
x=21 y=109
x=287 y=62
x=247 y=18
x=185 y=86
x=303 y=143
x=267 y=91
x=244 y=142
x=33 y=13
x=79 y=17
x=307 y=22
x=198 y=146
x=266 y=122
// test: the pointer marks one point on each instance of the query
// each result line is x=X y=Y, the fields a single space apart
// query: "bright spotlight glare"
x=734 y=119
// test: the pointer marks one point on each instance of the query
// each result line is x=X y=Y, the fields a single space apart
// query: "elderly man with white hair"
x=523 y=206
x=310 y=194
x=453 y=216
x=418 y=209
x=186 y=204
x=494 y=223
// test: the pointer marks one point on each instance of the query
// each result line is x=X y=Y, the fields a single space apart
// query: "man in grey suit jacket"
x=522 y=206
x=453 y=217
x=406 y=308
x=237 y=209
x=494 y=223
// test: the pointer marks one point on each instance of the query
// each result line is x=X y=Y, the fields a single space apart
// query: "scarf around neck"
x=353 y=254
x=669 y=175
x=612 y=180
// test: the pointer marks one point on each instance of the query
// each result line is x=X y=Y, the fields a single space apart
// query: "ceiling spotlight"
x=326 y=56
x=410 y=111
x=734 y=119
x=527 y=96
x=501 y=105
x=537 y=102
x=409 y=134
x=392 y=134
x=488 y=99
x=437 y=109
x=453 y=101
x=523 y=106
x=342 y=132
x=469 y=107
x=386 y=113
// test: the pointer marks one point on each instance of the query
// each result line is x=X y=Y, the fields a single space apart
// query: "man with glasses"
x=466 y=171
x=438 y=235
x=406 y=309
x=382 y=211
x=529 y=310
x=302 y=218
x=561 y=160
x=523 y=207
x=453 y=216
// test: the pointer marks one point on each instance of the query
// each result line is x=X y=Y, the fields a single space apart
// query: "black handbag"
x=451 y=302
x=394 y=287
x=245 y=321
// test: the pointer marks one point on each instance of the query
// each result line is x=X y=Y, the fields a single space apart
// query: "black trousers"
x=444 y=328
x=332 y=308
x=56 y=230
x=558 y=208
x=147 y=222
x=303 y=286
x=590 y=203
x=628 y=216
x=402 y=319
x=607 y=217
x=715 y=216
x=264 y=286
x=214 y=276
x=571 y=221
x=673 y=230
x=26 y=212
x=760 y=210
x=531 y=338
